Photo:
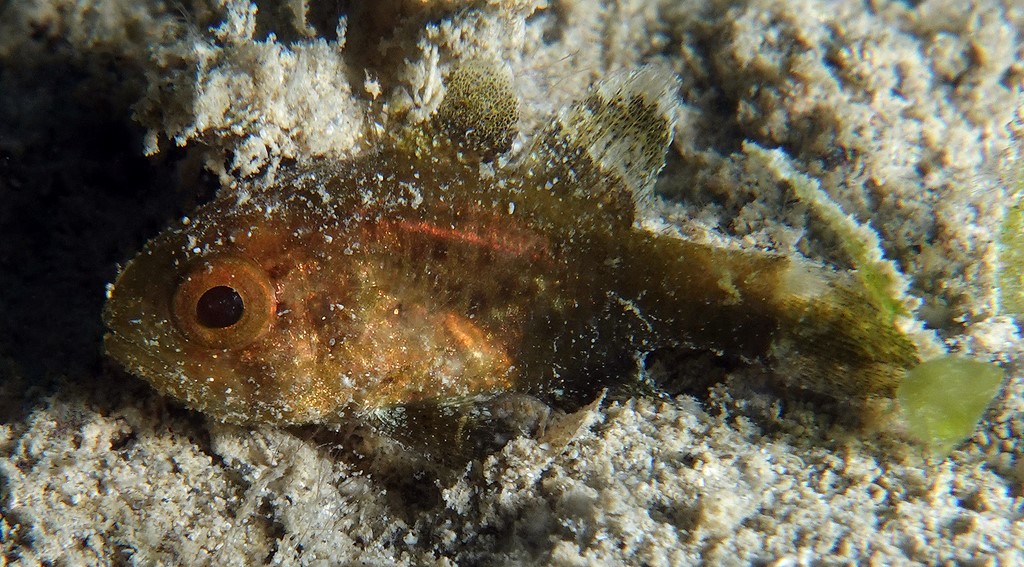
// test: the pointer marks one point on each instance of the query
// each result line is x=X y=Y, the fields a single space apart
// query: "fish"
x=438 y=270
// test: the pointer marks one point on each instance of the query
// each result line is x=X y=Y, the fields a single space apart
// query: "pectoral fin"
x=451 y=432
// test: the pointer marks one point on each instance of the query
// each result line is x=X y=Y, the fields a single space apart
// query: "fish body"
x=415 y=274
x=392 y=280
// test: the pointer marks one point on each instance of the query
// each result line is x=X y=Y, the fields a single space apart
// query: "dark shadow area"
x=78 y=197
x=377 y=32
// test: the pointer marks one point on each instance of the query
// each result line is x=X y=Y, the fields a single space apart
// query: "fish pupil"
x=219 y=307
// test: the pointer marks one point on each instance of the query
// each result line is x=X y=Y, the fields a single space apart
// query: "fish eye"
x=224 y=302
x=219 y=307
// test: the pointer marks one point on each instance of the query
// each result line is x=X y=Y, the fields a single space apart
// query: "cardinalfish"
x=428 y=273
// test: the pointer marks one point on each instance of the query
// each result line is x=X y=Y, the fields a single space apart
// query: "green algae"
x=943 y=399
x=1011 y=270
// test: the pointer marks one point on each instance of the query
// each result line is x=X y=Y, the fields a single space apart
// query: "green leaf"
x=943 y=399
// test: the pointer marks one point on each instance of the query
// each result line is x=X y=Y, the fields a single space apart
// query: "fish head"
x=235 y=312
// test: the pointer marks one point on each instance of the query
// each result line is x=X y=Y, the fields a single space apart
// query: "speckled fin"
x=611 y=143
x=480 y=110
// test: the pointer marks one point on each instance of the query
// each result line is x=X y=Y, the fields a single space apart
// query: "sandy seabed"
x=902 y=112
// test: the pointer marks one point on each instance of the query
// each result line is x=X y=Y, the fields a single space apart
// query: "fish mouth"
x=132 y=355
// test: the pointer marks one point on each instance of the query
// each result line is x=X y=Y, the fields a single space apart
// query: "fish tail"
x=818 y=327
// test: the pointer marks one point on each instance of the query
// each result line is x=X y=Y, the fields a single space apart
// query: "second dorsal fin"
x=611 y=145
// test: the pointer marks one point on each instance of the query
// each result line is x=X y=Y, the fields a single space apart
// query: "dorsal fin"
x=480 y=110
x=611 y=145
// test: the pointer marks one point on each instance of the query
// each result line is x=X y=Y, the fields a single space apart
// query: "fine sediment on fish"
x=899 y=113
